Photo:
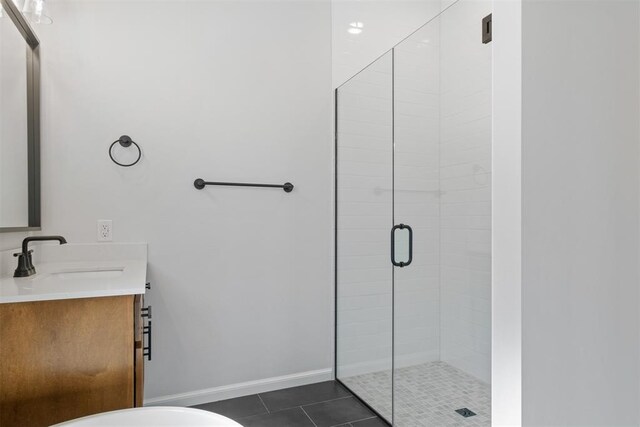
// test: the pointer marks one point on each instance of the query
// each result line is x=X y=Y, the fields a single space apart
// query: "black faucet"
x=25 y=263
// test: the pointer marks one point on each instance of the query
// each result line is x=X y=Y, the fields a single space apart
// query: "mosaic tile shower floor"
x=426 y=395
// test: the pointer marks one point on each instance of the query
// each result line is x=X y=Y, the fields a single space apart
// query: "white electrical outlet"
x=105 y=230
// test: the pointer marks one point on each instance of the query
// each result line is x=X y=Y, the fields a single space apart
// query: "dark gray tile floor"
x=325 y=404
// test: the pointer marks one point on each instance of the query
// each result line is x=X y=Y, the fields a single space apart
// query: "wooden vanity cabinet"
x=69 y=358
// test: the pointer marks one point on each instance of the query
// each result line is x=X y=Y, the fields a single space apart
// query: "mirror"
x=19 y=122
x=401 y=245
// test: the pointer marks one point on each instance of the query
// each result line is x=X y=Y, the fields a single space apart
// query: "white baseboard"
x=214 y=394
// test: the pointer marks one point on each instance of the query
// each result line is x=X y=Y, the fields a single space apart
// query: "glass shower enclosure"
x=413 y=219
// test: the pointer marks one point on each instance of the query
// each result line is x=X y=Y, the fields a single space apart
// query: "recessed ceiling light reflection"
x=355 y=27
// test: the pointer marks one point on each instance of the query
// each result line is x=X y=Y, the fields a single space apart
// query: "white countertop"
x=76 y=271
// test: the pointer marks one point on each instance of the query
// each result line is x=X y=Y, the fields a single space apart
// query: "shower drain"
x=465 y=412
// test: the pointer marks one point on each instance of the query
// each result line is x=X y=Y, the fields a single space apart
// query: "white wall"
x=580 y=213
x=238 y=91
x=12 y=240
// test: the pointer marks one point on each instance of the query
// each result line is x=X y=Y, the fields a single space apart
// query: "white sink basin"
x=88 y=274
x=76 y=271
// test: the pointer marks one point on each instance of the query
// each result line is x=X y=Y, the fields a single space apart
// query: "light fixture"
x=355 y=27
x=36 y=11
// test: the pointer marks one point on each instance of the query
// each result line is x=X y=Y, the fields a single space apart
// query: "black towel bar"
x=201 y=183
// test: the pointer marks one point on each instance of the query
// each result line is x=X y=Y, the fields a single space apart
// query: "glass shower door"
x=442 y=149
x=413 y=218
x=363 y=219
x=416 y=205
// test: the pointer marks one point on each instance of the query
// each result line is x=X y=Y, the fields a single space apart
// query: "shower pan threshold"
x=429 y=395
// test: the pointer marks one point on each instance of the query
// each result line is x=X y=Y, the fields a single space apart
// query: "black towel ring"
x=125 y=141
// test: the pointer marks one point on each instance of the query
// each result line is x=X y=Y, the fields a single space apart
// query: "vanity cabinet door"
x=65 y=359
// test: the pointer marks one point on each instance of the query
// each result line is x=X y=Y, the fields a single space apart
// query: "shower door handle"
x=397 y=243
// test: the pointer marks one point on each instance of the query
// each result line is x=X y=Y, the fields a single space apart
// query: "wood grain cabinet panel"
x=66 y=359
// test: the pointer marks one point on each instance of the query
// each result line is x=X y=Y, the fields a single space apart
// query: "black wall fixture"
x=201 y=183
x=487 y=29
x=125 y=141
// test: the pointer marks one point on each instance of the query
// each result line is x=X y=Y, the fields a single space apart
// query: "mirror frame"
x=33 y=115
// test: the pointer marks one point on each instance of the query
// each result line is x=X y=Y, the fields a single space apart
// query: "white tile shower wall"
x=364 y=220
x=416 y=195
x=213 y=89
x=465 y=184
